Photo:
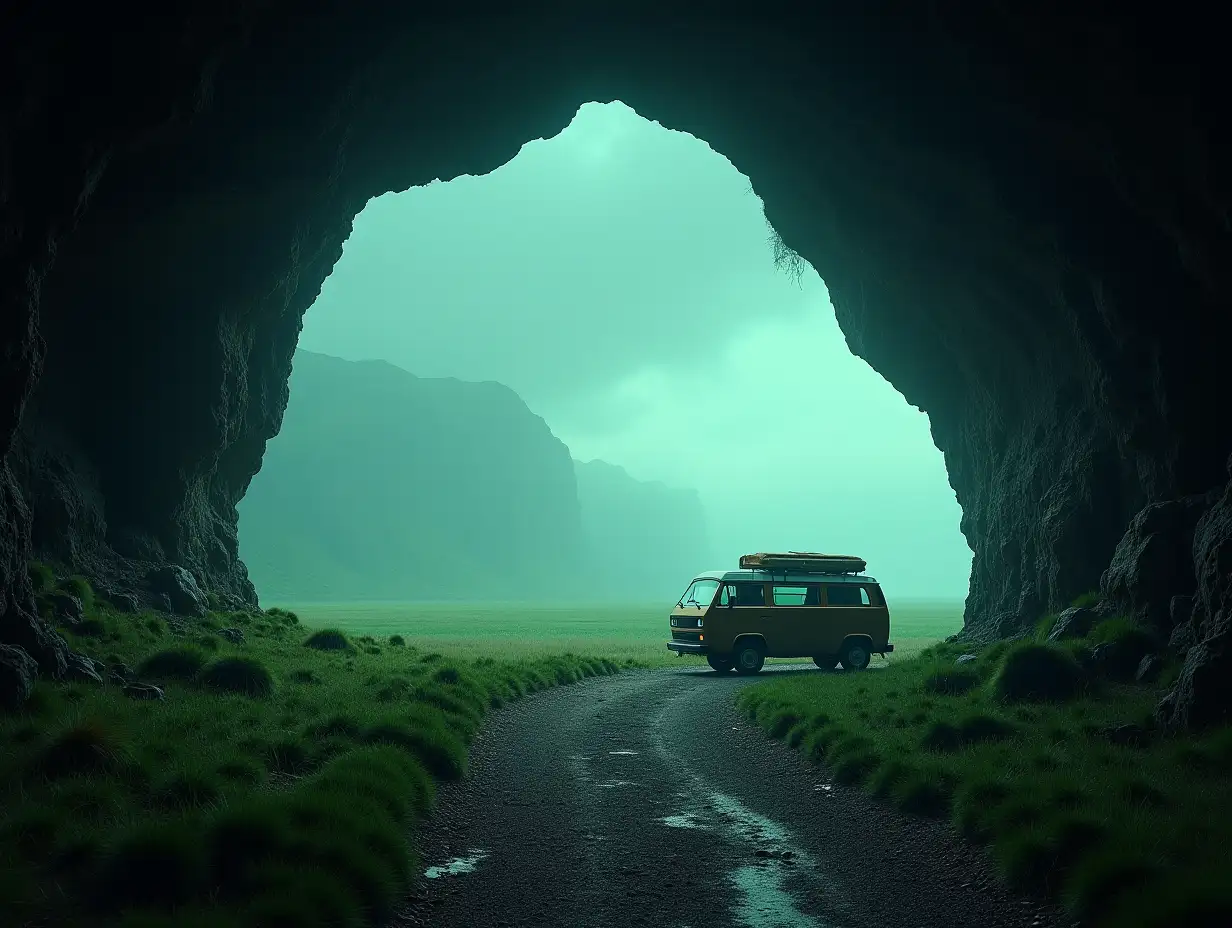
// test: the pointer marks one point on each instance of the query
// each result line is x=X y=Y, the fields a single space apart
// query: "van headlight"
x=699 y=623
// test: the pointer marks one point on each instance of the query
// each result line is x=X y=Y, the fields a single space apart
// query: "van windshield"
x=700 y=593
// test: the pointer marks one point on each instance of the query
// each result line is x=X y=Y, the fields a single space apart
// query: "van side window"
x=791 y=596
x=846 y=595
x=747 y=594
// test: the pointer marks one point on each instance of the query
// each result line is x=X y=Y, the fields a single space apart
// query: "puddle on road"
x=766 y=903
x=688 y=820
x=457 y=866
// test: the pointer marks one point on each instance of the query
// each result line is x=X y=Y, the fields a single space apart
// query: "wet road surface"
x=645 y=800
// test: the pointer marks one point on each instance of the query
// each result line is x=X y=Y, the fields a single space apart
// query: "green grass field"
x=514 y=631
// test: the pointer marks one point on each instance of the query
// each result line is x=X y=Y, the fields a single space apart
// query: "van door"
x=794 y=618
x=745 y=614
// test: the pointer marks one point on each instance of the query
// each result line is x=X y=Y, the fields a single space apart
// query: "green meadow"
x=513 y=631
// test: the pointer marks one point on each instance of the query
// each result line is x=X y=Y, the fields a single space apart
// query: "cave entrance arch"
x=622 y=280
x=997 y=246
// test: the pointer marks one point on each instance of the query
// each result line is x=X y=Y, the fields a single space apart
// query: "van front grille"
x=685 y=636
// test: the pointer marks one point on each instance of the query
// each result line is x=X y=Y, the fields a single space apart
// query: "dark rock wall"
x=1022 y=218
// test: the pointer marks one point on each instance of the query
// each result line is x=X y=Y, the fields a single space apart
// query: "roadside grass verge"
x=1061 y=774
x=277 y=783
x=619 y=631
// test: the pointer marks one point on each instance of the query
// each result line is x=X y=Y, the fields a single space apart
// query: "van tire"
x=856 y=654
x=720 y=664
x=826 y=661
x=750 y=657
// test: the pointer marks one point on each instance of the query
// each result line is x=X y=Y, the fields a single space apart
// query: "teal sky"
x=619 y=277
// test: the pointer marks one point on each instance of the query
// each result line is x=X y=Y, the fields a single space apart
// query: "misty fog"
x=619 y=278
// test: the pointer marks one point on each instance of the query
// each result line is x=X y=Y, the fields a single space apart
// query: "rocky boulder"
x=82 y=669
x=67 y=608
x=1153 y=560
x=1074 y=622
x=18 y=671
x=184 y=595
x=1202 y=696
x=1203 y=692
x=1149 y=669
x=1185 y=622
x=233 y=635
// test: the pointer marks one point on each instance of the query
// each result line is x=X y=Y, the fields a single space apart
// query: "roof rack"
x=808 y=562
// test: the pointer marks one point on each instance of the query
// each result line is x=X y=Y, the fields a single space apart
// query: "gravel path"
x=645 y=800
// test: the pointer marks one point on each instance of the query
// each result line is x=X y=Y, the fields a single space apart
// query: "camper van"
x=798 y=604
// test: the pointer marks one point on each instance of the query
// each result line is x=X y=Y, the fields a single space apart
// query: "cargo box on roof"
x=804 y=562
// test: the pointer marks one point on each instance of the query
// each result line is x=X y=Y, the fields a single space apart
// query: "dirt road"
x=644 y=800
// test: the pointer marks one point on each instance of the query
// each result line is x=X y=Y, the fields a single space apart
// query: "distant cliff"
x=646 y=539
x=384 y=485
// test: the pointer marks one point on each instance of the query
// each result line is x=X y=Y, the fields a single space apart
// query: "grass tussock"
x=1015 y=748
x=246 y=675
x=329 y=639
x=1035 y=672
x=275 y=784
x=178 y=663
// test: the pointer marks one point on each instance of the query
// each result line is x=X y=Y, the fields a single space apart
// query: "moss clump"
x=42 y=577
x=182 y=663
x=1130 y=642
x=90 y=628
x=246 y=675
x=328 y=639
x=80 y=587
x=1035 y=672
x=397 y=641
x=86 y=748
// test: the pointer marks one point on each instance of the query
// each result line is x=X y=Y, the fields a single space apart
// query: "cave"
x=1021 y=217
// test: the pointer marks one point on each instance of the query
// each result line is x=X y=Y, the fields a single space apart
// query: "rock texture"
x=1021 y=216
x=1074 y=622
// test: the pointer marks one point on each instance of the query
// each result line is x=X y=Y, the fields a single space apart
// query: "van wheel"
x=825 y=661
x=855 y=656
x=721 y=664
x=749 y=658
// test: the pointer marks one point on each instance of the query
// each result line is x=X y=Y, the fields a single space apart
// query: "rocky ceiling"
x=1022 y=218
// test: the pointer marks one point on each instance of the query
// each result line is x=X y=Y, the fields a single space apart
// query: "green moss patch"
x=275 y=784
